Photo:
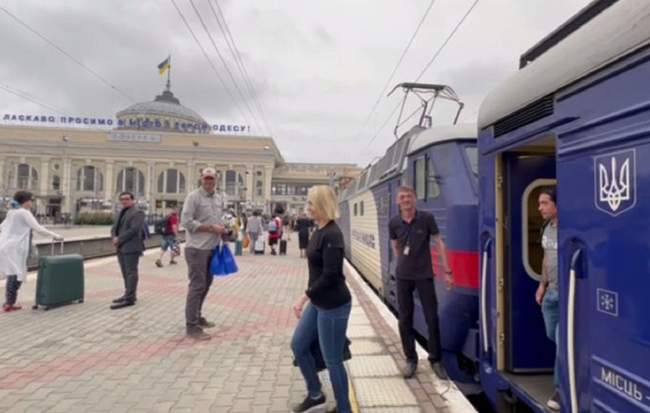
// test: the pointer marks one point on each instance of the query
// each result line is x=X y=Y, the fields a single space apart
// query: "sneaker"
x=410 y=369
x=16 y=307
x=554 y=402
x=6 y=307
x=439 y=370
x=203 y=323
x=310 y=405
x=159 y=264
x=198 y=334
x=172 y=262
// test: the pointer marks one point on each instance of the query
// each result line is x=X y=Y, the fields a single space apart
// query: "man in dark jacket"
x=127 y=238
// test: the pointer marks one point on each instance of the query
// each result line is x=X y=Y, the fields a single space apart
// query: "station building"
x=156 y=150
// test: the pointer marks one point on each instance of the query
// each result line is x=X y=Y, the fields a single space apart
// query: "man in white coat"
x=15 y=242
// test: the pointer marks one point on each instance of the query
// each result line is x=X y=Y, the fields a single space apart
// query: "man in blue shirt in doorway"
x=410 y=234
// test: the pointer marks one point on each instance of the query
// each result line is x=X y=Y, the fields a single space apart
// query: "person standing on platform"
x=303 y=225
x=547 y=294
x=410 y=234
x=15 y=244
x=202 y=218
x=275 y=229
x=254 y=229
x=127 y=233
x=325 y=318
x=169 y=239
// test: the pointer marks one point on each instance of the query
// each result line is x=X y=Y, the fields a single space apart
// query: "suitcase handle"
x=60 y=249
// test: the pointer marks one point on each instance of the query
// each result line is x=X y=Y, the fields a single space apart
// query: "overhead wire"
x=24 y=95
x=234 y=50
x=426 y=67
x=223 y=61
x=207 y=57
x=397 y=65
x=444 y=44
x=68 y=55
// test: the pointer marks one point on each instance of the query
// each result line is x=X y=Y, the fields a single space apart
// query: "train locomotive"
x=440 y=163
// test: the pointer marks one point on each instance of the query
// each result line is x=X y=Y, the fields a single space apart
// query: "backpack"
x=160 y=227
x=273 y=225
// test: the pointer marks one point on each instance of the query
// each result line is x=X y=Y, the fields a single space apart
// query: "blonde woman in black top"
x=328 y=304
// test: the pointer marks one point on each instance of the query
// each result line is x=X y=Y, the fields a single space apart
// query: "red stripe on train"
x=464 y=264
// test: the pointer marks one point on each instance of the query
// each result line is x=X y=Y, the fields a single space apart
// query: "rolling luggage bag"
x=60 y=280
x=283 y=247
x=259 y=246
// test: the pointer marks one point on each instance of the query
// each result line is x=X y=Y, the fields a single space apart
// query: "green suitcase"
x=60 y=280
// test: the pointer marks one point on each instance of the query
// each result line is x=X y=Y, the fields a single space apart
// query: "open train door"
x=528 y=349
x=604 y=271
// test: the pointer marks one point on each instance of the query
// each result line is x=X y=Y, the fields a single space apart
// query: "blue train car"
x=441 y=163
x=577 y=114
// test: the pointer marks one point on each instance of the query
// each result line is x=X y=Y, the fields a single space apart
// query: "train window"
x=433 y=189
x=472 y=157
x=383 y=208
x=361 y=208
x=362 y=180
x=355 y=209
x=420 y=178
x=532 y=228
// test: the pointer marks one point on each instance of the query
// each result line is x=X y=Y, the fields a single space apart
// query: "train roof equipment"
x=618 y=30
x=428 y=94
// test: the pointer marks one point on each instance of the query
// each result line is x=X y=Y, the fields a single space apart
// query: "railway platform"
x=87 y=358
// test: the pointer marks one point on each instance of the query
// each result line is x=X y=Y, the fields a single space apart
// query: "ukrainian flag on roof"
x=164 y=66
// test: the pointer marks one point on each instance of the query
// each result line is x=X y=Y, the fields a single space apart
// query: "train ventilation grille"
x=535 y=111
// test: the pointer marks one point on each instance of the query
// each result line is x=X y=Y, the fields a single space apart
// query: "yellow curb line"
x=353 y=397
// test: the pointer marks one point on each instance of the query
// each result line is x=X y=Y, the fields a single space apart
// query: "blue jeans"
x=551 y=310
x=328 y=326
x=168 y=242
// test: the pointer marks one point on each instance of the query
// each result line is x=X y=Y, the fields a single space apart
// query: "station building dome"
x=165 y=113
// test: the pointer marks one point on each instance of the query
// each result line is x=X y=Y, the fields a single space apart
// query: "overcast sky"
x=317 y=67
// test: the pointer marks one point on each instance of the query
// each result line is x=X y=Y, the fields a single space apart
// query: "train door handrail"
x=573 y=392
x=484 y=325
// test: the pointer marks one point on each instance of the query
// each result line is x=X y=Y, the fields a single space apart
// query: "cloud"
x=316 y=67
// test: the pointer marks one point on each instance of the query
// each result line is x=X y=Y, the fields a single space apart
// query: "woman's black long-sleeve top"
x=327 y=288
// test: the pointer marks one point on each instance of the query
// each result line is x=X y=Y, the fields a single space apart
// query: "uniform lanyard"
x=407 y=241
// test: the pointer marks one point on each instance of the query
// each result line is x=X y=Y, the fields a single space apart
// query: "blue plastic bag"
x=228 y=259
x=216 y=263
x=223 y=262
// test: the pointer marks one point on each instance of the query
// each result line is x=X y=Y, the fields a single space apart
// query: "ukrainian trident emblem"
x=615 y=182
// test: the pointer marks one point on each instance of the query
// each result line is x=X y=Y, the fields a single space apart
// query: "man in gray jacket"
x=201 y=217
x=127 y=235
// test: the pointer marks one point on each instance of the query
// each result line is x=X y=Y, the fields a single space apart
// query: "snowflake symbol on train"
x=607 y=302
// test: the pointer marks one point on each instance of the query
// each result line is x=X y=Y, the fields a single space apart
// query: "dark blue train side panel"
x=604 y=170
x=602 y=130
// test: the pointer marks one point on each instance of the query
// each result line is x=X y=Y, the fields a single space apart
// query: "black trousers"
x=129 y=268
x=11 y=292
x=427 y=291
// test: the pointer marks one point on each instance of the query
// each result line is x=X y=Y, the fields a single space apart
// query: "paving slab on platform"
x=382 y=392
x=366 y=346
x=373 y=366
x=87 y=358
